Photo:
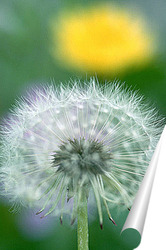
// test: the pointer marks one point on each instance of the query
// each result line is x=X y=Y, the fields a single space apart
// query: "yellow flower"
x=101 y=39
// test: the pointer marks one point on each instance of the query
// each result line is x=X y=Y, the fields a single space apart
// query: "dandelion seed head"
x=60 y=141
x=81 y=158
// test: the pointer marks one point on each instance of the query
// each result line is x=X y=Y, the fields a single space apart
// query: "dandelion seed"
x=54 y=162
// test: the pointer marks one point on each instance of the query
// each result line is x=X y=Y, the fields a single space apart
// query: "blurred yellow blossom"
x=102 y=39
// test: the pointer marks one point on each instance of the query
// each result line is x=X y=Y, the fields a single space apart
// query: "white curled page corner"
x=137 y=214
x=154 y=229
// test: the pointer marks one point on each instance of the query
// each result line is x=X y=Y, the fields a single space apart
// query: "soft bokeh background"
x=26 y=59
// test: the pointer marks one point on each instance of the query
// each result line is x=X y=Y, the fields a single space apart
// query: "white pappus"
x=61 y=141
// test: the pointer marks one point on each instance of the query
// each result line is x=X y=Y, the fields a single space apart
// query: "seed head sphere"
x=61 y=141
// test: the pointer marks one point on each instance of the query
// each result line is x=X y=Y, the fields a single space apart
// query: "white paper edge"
x=137 y=214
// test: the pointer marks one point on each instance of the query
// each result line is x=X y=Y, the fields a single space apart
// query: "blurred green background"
x=26 y=60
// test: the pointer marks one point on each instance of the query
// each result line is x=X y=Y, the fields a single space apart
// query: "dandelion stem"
x=82 y=224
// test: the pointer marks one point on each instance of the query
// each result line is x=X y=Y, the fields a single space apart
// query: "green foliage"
x=25 y=59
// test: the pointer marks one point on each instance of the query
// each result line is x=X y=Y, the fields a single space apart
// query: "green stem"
x=82 y=224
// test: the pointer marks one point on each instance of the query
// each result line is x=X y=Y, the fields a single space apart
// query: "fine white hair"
x=114 y=129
